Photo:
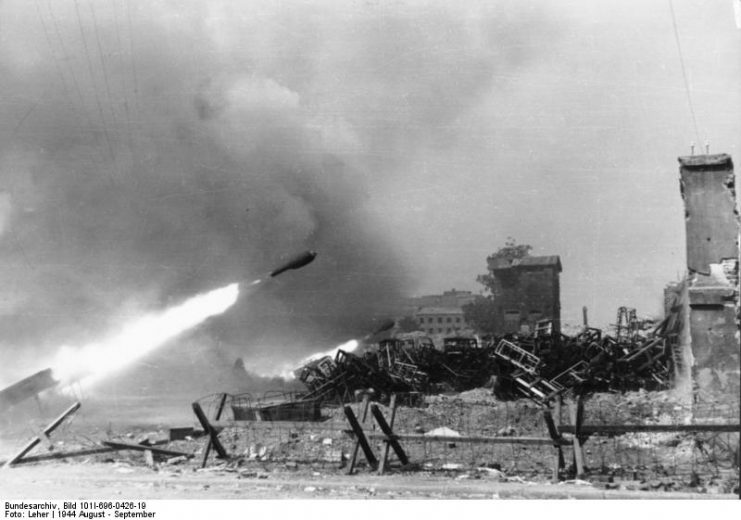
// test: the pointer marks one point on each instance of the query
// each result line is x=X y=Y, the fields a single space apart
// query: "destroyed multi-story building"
x=709 y=297
x=441 y=320
x=525 y=291
x=451 y=298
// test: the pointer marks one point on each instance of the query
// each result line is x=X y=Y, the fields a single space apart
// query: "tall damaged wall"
x=712 y=298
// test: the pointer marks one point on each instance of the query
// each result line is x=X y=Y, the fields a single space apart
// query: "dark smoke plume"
x=157 y=151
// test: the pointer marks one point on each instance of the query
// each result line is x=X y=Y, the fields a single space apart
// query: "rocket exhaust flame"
x=348 y=346
x=287 y=371
x=140 y=337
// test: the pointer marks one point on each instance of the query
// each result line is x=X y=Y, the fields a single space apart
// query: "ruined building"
x=452 y=298
x=441 y=320
x=526 y=290
x=710 y=295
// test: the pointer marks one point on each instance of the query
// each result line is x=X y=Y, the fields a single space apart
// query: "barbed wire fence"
x=493 y=434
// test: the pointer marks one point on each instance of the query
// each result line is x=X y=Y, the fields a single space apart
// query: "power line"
x=131 y=51
x=102 y=63
x=67 y=58
x=92 y=79
x=124 y=83
x=65 y=54
x=19 y=125
x=684 y=72
x=58 y=67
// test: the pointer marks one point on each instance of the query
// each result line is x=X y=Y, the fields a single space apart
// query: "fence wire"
x=691 y=457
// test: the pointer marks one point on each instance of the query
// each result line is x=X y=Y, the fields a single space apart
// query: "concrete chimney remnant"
x=712 y=226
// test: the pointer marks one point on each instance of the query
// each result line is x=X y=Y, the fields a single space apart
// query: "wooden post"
x=558 y=462
x=360 y=435
x=354 y=458
x=36 y=440
x=207 y=452
x=386 y=429
x=212 y=433
x=387 y=446
x=149 y=458
x=577 y=413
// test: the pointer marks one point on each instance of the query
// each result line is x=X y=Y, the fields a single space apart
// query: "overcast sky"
x=153 y=149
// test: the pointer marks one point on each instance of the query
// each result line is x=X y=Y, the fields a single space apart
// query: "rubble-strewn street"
x=310 y=459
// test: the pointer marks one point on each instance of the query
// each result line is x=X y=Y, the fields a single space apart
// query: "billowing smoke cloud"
x=152 y=150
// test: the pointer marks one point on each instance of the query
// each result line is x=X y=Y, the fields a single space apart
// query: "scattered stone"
x=491 y=473
x=176 y=460
x=443 y=431
x=506 y=431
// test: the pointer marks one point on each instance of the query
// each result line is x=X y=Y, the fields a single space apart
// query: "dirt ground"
x=80 y=480
x=277 y=461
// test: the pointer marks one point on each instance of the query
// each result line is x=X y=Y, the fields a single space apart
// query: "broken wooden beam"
x=354 y=458
x=559 y=462
x=391 y=438
x=63 y=455
x=360 y=435
x=206 y=453
x=543 y=441
x=577 y=415
x=619 y=429
x=387 y=446
x=36 y=440
x=212 y=432
x=145 y=447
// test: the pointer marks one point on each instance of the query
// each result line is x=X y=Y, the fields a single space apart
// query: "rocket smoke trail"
x=93 y=362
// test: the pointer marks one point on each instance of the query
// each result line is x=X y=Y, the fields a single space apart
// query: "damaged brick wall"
x=525 y=291
x=712 y=301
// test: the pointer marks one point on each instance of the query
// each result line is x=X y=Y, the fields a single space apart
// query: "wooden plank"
x=617 y=429
x=212 y=433
x=354 y=458
x=414 y=437
x=207 y=451
x=578 y=453
x=387 y=446
x=64 y=455
x=149 y=458
x=558 y=462
x=36 y=440
x=46 y=440
x=142 y=447
x=391 y=438
x=360 y=435
x=296 y=425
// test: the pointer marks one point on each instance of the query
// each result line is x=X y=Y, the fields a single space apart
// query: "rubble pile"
x=540 y=366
